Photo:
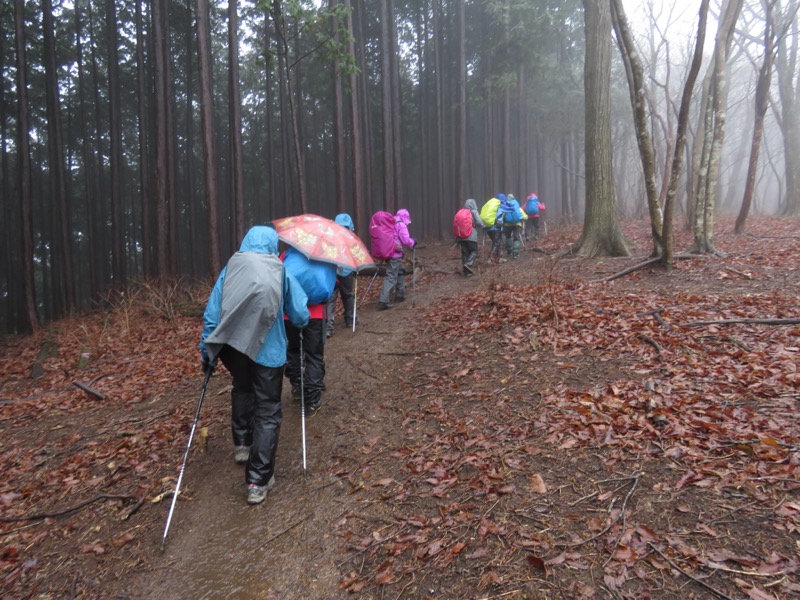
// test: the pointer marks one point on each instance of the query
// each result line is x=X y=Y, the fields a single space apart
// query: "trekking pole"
x=414 y=273
x=186 y=455
x=369 y=287
x=302 y=400
x=355 y=299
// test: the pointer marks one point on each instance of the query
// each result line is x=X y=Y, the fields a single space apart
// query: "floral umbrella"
x=321 y=239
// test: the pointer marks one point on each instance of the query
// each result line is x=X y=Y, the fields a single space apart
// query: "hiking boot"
x=468 y=270
x=384 y=306
x=241 y=454
x=256 y=494
x=400 y=299
x=312 y=408
x=296 y=395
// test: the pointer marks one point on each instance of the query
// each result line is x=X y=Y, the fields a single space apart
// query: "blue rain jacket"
x=263 y=240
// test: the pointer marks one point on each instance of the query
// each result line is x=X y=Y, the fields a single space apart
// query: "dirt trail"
x=218 y=546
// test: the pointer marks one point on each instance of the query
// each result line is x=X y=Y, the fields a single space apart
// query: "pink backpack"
x=381 y=233
x=462 y=223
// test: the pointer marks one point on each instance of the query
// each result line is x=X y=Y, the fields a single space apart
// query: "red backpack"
x=462 y=223
x=381 y=233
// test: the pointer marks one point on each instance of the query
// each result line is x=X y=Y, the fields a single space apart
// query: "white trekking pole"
x=185 y=456
x=302 y=401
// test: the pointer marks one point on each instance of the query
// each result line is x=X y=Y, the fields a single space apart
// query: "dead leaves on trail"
x=574 y=438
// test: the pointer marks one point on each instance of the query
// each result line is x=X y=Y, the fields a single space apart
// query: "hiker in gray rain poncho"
x=244 y=328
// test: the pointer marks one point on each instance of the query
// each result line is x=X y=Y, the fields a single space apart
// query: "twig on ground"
x=277 y=535
x=642 y=265
x=68 y=510
x=605 y=530
x=713 y=590
x=743 y=322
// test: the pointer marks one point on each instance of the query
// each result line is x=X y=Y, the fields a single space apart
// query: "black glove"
x=206 y=362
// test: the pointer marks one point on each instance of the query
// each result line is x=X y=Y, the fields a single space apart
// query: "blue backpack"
x=532 y=205
x=512 y=212
x=315 y=277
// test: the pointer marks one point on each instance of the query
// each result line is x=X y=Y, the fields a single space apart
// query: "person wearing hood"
x=469 y=244
x=513 y=222
x=243 y=327
x=345 y=286
x=395 y=274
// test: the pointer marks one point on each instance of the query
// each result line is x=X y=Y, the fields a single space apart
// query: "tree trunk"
x=161 y=133
x=61 y=251
x=461 y=117
x=235 y=115
x=788 y=85
x=680 y=138
x=338 y=122
x=31 y=322
x=601 y=233
x=760 y=111
x=389 y=198
x=115 y=137
x=715 y=130
x=356 y=139
x=207 y=134
x=638 y=93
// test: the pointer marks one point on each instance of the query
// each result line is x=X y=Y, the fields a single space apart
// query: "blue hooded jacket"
x=345 y=220
x=263 y=240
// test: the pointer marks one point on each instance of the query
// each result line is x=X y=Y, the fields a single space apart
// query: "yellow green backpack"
x=489 y=211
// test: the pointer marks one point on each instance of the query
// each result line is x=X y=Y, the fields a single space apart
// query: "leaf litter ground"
x=537 y=431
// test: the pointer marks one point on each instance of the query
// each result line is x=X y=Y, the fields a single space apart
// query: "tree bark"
x=715 y=119
x=118 y=275
x=760 y=111
x=638 y=93
x=31 y=322
x=61 y=251
x=235 y=116
x=601 y=233
x=207 y=134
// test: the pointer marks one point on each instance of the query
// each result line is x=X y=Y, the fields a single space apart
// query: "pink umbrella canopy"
x=321 y=239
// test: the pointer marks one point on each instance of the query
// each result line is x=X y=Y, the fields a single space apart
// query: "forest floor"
x=536 y=431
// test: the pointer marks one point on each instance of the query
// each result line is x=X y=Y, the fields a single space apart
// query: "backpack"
x=382 y=237
x=489 y=211
x=532 y=205
x=462 y=223
x=252 y=295
x=315 y=277
x=513 y=213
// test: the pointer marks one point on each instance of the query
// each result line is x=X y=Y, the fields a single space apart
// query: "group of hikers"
x=505 y=222
x=268 y=316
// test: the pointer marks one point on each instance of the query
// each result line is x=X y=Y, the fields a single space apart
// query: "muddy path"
x=218 y=546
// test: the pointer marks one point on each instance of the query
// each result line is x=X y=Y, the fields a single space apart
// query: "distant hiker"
x=317 y=280
x=345 y=282
x=533 y=208
x=513 y=221
x=465 y=228
x=538 y=218
x=244 y=329
x=394 y=281
x=493 y=221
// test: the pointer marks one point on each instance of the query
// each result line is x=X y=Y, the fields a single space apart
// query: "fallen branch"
x=743 y=321
x=68 y=510
x=739 y=273
x=644 y=264
x=89 y=390
x=713 y=590
x=277 y=535
x=652 y=342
